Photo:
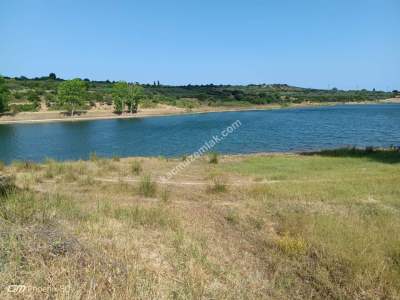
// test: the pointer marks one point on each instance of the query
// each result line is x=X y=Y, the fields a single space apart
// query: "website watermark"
x=28 y=289
x=206 y=147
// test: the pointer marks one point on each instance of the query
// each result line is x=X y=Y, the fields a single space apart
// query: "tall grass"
x=218 y=185
x=147 y=187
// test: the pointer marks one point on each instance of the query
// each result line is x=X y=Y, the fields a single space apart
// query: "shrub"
x=213 y=158
x=16 y=108
x=147 y=187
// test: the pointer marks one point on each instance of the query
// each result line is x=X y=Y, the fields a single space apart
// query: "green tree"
x=4 y=96
x=135 y=95
x=72 y=94
x=52 y=76
x=120 y=96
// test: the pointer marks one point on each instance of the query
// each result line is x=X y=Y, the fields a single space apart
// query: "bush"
x=16 y=108
x=213 y=158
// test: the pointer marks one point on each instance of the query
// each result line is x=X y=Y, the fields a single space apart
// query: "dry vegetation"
x=263 y=226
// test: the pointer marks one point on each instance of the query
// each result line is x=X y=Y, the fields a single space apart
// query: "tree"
x=135 y=95
x=72 y=94
x=52 y=76
x=4 y=96
x=120 y=96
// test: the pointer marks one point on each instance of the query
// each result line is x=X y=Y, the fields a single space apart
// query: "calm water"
x=261 y=131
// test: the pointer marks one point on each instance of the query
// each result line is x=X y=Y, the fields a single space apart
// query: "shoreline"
x=222 y=156
x=162 y=112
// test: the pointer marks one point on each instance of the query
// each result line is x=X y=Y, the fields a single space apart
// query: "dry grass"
x=286 y=226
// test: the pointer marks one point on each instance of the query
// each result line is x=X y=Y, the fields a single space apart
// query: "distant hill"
x=25 y=90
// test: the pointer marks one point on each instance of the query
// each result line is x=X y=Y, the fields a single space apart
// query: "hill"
x=27 y=94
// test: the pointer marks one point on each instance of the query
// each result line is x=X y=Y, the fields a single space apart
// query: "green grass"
x=337 y=218
x=319 y=166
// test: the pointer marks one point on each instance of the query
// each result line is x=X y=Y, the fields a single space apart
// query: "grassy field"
x=323 y=225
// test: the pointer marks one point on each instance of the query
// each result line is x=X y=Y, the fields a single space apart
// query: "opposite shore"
x=161 y=110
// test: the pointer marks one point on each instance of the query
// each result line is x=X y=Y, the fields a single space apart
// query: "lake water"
x=298 y=129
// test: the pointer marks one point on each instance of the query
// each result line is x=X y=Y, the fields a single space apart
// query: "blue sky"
x=311 y=43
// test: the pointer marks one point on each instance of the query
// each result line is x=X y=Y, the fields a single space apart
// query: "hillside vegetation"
x=27 y=94
x=323 y=225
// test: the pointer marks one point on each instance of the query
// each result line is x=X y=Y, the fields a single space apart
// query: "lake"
x=283 y=130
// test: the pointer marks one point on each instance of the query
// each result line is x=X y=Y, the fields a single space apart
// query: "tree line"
x=73 y=95
x=27 y=94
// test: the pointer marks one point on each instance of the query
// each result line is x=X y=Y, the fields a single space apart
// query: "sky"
x=348 y=44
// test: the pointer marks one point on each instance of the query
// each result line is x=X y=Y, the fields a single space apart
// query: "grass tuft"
x=136 y=167
x=218 y=186
x=147 y=187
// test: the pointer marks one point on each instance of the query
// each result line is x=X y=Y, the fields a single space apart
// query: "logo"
x=16 y=288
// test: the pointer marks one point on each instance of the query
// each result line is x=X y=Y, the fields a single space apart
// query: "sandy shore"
x=161 y=110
